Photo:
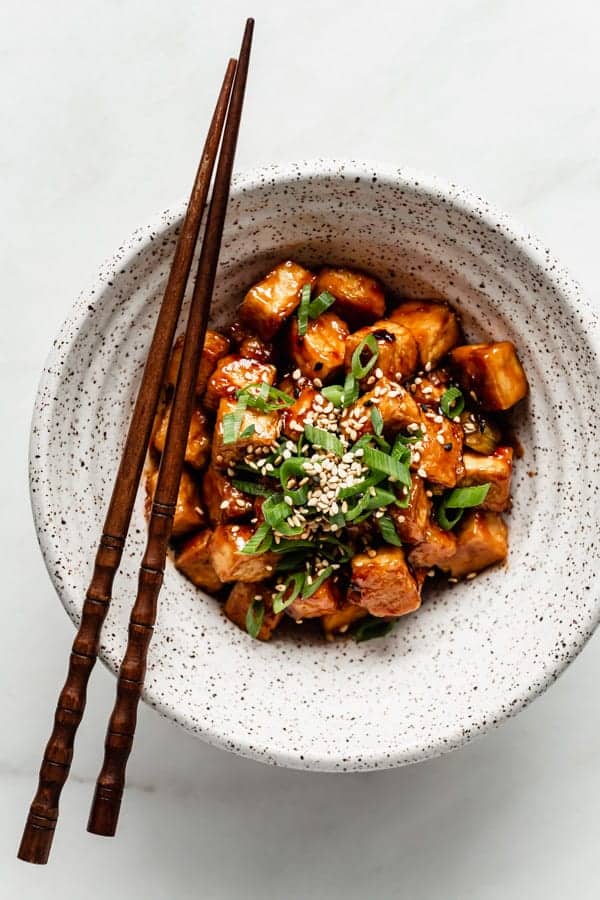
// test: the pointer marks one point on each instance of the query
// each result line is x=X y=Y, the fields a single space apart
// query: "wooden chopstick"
x=121 y=729
x=43 y=813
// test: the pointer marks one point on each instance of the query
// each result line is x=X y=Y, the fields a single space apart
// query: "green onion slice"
x=291 y=546
x=260 y=541
x=303 y=310
x=381 y=462
x=388 y=531
x=359 y=370
x=324 y=439
x=250 y=487
x=452 y=402
x=377 y=420
x=320 y=304
x=361 y=486
x=370 y=628
x=335 y=394
x=451 y=508
x=254 y=617
x=232 y=422
x=310 y=589
x=350 y=390
x=295 y=581
x=268 y=398
x=248 y=432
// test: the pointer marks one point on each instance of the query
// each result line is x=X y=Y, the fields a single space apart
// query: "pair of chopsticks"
x=43 y=814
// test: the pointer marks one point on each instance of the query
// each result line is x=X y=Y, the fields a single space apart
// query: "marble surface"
x=103 y=111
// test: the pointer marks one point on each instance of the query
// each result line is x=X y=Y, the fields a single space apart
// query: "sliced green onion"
x=232 y=422
x=368 y=343
x=291 y=546
x=291 y=562
x=280 y=600
x=248 y=432
x=254 y=617
x=310 y=589
x=381 y=462
x=275 y=510
x=370 y=628
x=320 y=304
x=451 y=509
x=335 y=394
x=350 y=390
x=250 y=487
x=291 y=468
x=303 y=310
x=260 y=541
x=361 y=486
x=388 y=531
x=377 y=420
x=268 y=398
x=452 y=402
x=324 y=439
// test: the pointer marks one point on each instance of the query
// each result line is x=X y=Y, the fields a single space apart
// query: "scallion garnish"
x=309 y=589
x=266 y=399
x=254 y=617
x=381 y=462
x=452 y=402
x=377 y=420
x=335 y=394
x=303 y=310
x=451 y=509
x=248 y=432
x=282 y=599
x=360 y=369
x=260 y=541
x=232 y=422
x=370 y=628
x=325 y=439
x=320 y=304
x=350 y=390
x=291 y=546
x=388 y=531
x=250 y=487
x=275 y=510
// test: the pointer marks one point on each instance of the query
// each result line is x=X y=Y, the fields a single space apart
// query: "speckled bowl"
x=475 y=653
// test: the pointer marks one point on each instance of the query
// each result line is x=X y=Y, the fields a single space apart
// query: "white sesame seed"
x=296 y=374
x=378 y=373
x=421 y=471
x=471 y=575
x=428 y=367
x=371 y=553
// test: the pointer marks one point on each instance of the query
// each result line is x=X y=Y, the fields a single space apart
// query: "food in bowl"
x=344 y=447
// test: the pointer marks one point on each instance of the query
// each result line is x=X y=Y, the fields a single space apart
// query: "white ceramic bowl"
x=474 y=653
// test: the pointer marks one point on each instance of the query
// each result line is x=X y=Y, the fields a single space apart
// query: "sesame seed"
x=421 y=471
x=378 y=373
x=428 y=367
x=452 y=580
x=471 y=575
x=296 y=374
x=317 y=382
x=371 y=553
x=224 y=504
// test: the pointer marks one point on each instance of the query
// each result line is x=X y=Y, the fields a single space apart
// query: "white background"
x=103 y=109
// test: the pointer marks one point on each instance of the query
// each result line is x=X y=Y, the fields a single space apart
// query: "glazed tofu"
x=495 y=470
x=268 y=304
x=481 y=541
x=428 y=390
x=266 y=431
x=222 y=501
x=215 y=347
x=324 y=601
x=252 y=347
x=239 y=601
x=397 y=349
x=233 y=374
x=440 y=459
x=189 y=514
x=197 y=449
x=294 y=418
x=411 y=523
x=433 y=325
x=383 y=584
x=396 y=405
x=359 y=299
x=436 y=548
x=194 y=561
x=228 y=560
x=339 y=622
x=320 y=353
x=490 y=373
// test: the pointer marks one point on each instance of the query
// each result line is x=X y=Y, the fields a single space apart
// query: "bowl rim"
x=439 y=189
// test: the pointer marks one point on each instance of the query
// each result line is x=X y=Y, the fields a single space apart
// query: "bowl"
x=476 y=652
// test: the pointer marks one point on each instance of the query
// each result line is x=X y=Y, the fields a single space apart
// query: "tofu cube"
x=320 y=352
x=252 y=347
x=440 y=451
x=339 y=622
x=490 y=373
x=397 y=349
x=233 y=374
x=383 y=584
x=194 y=561
x=266 y=432
x=215 y=347
x=433 y=325
x=411 y=523
x=481 y=541
x=495 y=470
x=267 y=305
x=228 y=560
x=239 y=601
x=189 y=514
x=359 y=298
x=197 y=449
x=396 y=405
x=428 y=390
x=222 y=501
x=294 y=418
x=324 y=601
x=436 y=548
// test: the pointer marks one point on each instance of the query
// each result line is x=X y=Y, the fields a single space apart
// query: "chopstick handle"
x=38 y=833
x=110 y=784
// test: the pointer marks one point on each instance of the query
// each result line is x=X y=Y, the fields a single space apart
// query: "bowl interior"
x=475 y=652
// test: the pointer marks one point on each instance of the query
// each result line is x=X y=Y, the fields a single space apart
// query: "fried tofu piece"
x=267 y=304
x=397 y=347
x=320 y=353
x=324 y=601
x=222 y=501
x=233 y=374
x=359 y=298
x=339 y=622
x=411 y=522
x=481 y=541
x=396 y=405
x=490 y=373
x=194 y=561
x=433 y=325
x=189 y=514
x=440 y=461
x=495 y=470
x=383 y=584
x=215 y=347
x=239 y=601
x=266 y=431
x=293 y=419
x=228 y=560
x=428 y=390
x=252 y=347
x=197 y=449
x=436 y=548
